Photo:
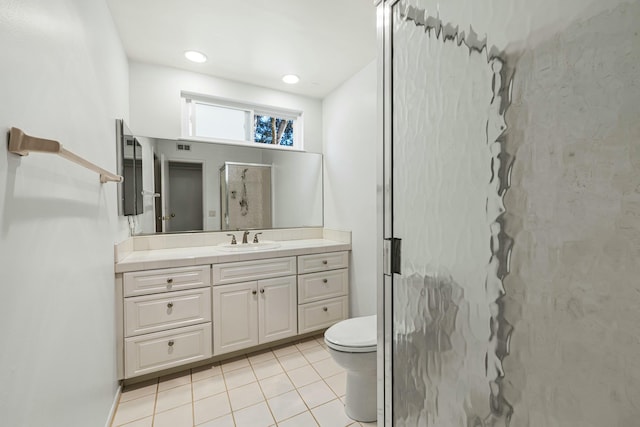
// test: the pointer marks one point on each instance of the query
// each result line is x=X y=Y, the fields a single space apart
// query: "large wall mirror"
x=180 y=186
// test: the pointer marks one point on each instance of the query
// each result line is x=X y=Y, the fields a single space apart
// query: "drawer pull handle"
x=262 y=291
x=169 y=281
x=324 y=280
x=254 y=292
x=170 y=343
x=170 y=305
x=325 y=309
x=325 y=262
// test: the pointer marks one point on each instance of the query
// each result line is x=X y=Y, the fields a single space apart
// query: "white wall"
x=156 y=107
x=63 y=75
x=350 y=166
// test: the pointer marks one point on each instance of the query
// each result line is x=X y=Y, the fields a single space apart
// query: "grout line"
x=193 y=400
x=155 y=403
x=266 y=401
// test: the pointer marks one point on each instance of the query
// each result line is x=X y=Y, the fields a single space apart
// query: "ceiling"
x=324 y=42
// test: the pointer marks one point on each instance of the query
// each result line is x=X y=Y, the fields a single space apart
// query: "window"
x=265 y=127
x=222 y=120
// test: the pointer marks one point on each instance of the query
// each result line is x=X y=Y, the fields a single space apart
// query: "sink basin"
x=248 y=247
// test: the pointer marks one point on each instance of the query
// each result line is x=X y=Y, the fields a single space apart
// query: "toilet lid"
x=356 y=335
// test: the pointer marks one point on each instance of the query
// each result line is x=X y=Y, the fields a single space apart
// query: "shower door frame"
x=385 y=209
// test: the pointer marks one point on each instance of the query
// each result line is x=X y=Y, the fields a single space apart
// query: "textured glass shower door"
x=444 y=338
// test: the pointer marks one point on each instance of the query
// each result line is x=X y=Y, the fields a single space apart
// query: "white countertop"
x=200 y=255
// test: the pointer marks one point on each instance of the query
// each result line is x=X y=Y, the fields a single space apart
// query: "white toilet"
x=352 y=344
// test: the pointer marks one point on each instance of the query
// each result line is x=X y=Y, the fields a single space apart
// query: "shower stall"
x=508 y=291
x=245 y=196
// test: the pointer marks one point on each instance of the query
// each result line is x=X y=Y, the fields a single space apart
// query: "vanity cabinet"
x=170 y=317
x=253 y=312
x=166 y=318
x=323 y=286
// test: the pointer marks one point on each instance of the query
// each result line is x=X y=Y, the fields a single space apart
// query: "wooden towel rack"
x=22 y=144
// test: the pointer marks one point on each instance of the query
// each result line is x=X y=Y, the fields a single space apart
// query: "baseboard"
x=114 y=406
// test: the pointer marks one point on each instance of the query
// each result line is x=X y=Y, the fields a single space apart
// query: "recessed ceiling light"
x=195 y=56
x=290 y=79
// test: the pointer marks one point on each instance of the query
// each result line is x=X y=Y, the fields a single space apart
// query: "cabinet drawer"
x=245 y=271
x=162 y=350
x=152 y=313
x=166 y=279
x=321 y=314
x=322 y=262
x=323 y=285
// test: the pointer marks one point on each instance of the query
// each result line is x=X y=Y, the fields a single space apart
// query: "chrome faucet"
x=255 y=238
x=244 y=237
x=233 y=239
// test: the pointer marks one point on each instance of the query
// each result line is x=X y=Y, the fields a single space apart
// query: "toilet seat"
x=355 y=335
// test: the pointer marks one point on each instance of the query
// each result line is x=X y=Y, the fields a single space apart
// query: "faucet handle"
x=233 y=239
x=255 y=238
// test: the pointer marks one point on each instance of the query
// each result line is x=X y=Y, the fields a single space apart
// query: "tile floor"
x=296 y=385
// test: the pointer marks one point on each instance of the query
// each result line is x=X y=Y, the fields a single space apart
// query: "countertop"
x=201 y=255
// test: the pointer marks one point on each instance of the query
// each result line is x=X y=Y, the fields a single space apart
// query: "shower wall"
x=573 y=209
x=245 y=195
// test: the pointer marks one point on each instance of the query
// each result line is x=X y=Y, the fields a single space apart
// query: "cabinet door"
x=235 y=317
x=278 y=317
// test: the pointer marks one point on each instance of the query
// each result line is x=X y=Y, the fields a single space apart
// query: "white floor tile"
x=293 y=361
x=327 y=368
x=203 y=372
x=254 y=416
x=338 y=383
x=182 y=416
x=134 y=409
x=315 y=354
x=174 y=380
x=284 y=350
x=173 y=397
x=267 y=369
x=303 y=376
x=225 y=421
x=315 y=394
x=331 y=415
x=278 y=384
x=304 y=419
x=244 y=396
x=145 y=422
x=211 y=408
x=235 y=363
x=208 y=387
x=261 y=356
x=239 y=377
x=306 y=343
x=320 y=340
x=139 y=390
x=286 y=405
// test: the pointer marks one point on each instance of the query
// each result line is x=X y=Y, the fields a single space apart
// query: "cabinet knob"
x=170 y=343
x=170 y=305
x=262 y=291
x=324 y=280
x=325 y=262
x=169 y=281
x=325 y=309
x=254 y=292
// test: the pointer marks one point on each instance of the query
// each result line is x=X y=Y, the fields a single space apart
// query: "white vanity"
x=184 y=299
